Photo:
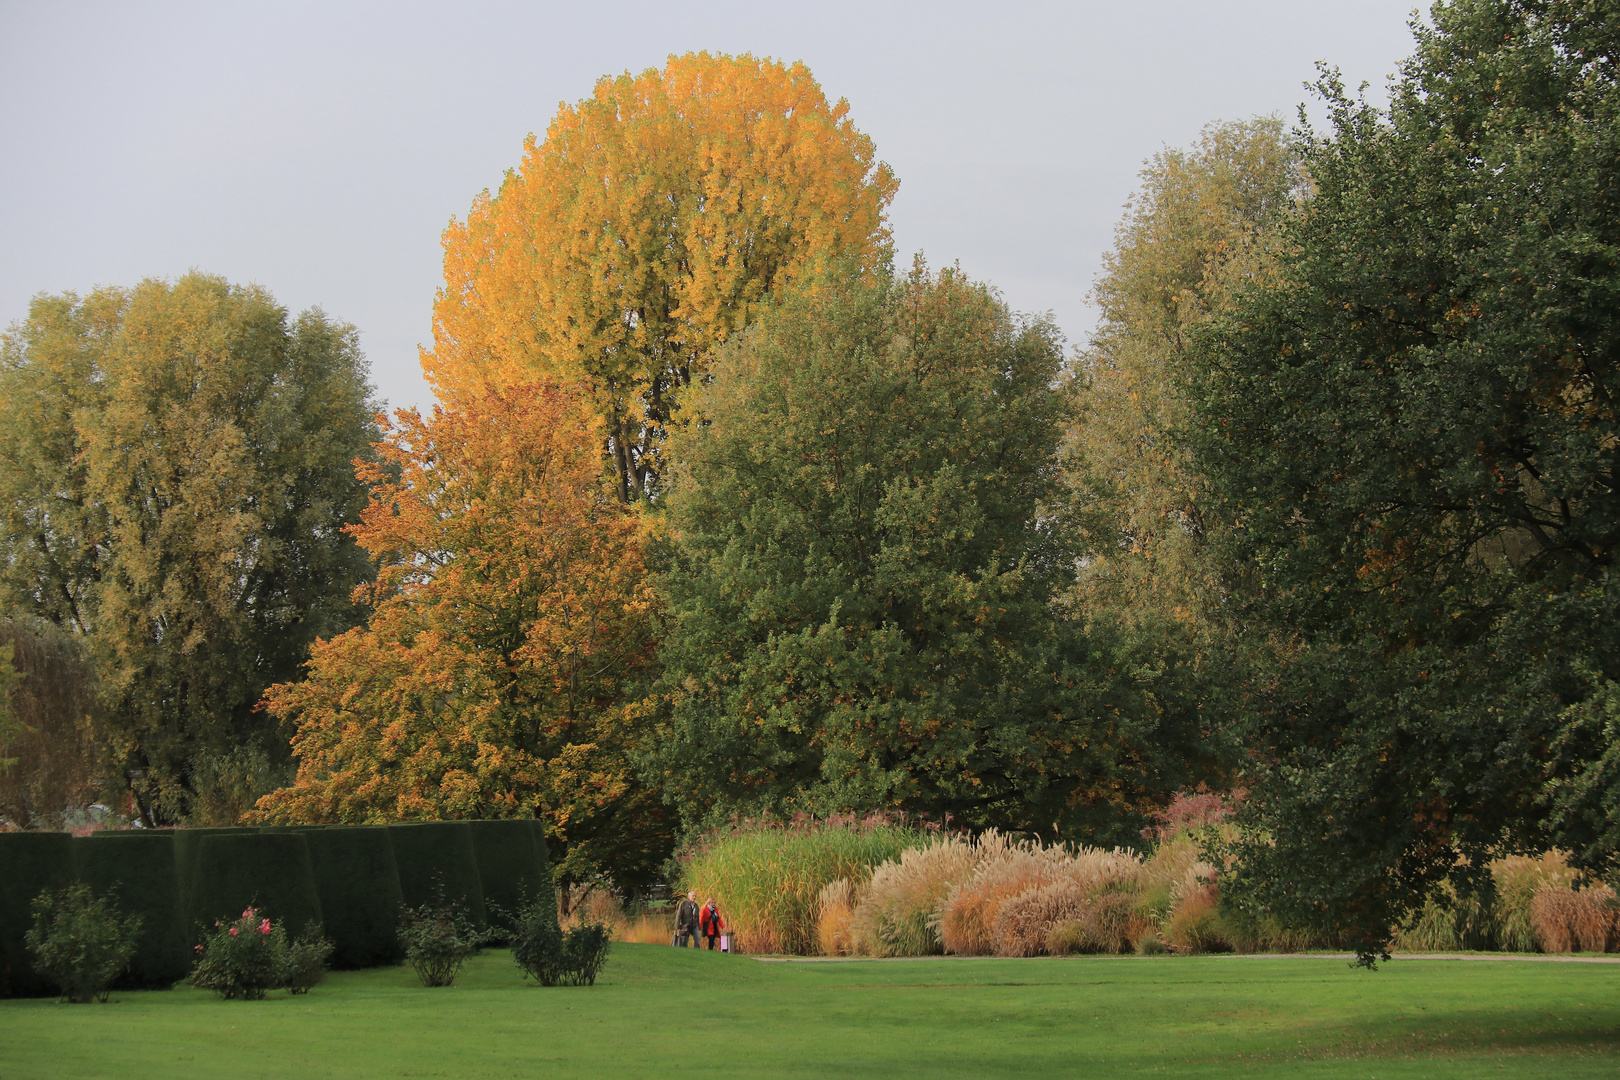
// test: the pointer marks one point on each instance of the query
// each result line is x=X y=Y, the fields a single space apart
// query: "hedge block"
x=30 y=862
x=509 y=867
x=358 y=880
x=138 y=866
x=433 y=851
x=230 y=870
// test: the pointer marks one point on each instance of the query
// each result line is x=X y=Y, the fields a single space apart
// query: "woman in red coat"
x=710 y=922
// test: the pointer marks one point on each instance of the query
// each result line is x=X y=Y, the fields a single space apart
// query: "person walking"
x=686 y=921
x=710 y=922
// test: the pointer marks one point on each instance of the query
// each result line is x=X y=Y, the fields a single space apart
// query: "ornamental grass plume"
x=833 y=930
x=1094 y=889
x=1194 y=924
x=1518 y=879
x=899 y=910
x=1573 y=920
x=967 y=921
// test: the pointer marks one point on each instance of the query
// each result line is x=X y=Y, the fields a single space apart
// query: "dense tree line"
x=178 y=469
x=722 y=516
x=1410 y=434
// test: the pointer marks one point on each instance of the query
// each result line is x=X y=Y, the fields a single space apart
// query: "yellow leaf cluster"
x=648 y=226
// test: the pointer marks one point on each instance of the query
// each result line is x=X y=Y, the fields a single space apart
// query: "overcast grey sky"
x=319 y=149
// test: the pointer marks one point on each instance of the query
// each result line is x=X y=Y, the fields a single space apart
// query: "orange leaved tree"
x=511 y=623
x=648 y=227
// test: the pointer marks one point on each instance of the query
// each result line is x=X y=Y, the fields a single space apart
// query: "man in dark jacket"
x=686 y=921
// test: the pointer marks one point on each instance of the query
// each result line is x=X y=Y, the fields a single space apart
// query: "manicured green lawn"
x=658 y=1013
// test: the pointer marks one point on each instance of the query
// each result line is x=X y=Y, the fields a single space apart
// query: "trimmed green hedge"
x=186 y=843
x=358 y=880
x=510 y=870
x=139 y=867
x=230 y=870
x=30 y=862
x=349 y=879
x=432 y=851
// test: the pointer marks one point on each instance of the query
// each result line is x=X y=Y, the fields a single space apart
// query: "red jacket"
x=709 y=919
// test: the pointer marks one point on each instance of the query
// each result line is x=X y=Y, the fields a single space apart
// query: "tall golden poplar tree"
x=651 y=223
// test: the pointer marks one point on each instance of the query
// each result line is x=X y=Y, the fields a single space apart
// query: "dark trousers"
x=682 y=936
x=712 y=938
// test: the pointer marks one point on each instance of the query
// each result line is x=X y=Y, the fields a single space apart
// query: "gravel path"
x=1534 y=958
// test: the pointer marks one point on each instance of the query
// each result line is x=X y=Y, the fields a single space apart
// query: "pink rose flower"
x=233 y=931
x=264 y=927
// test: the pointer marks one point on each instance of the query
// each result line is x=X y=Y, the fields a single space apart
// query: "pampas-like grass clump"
x=967 y=923
x=1195 y=924
x=1573 y=920
x=899 y=909
x=833 y=931
x=1518 y=879
x=1094 y=890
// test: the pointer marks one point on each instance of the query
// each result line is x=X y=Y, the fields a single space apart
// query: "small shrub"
x=438 y=938
x=585 y=950
x=306 y=963
x=554 y=957
x=81 y=942
x=1151 y=944
x=246 y=959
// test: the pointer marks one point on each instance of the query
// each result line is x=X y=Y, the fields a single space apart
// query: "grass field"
x=658 y=1012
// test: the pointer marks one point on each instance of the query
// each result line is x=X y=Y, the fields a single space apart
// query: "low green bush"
x=306 y=963
x=245 y=959
x=552 y=956
x=438 y=937
x=81 y=941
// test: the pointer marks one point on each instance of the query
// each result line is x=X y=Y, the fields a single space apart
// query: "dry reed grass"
x=833 y=930
x=1518 y=878
x=1573 y=920
x=768 y=880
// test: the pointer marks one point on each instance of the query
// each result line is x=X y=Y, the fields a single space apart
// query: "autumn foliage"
x=510 y=613
x=648 y=226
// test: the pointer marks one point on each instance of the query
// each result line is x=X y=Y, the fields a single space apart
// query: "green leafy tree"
x=1411 y=437
x=1202 y=226
x=860 y=604
x=177 y=476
